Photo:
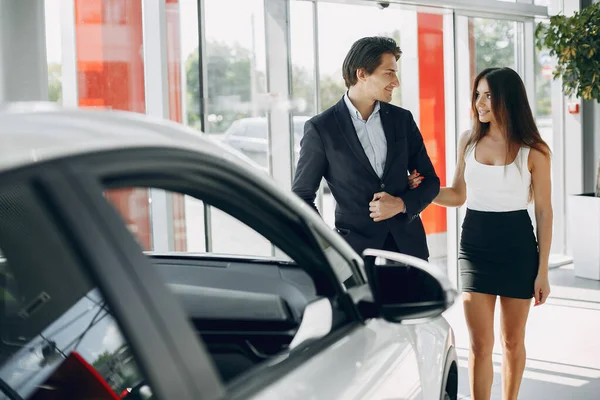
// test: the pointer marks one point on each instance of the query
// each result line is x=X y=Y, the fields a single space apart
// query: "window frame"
x=92 y=233
x=181 y=171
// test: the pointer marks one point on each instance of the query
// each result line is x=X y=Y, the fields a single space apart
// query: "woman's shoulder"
x=536 y=158
x=536 y=152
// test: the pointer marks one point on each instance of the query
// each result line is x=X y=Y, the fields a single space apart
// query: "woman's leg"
x=514 y=314
x=479 y=313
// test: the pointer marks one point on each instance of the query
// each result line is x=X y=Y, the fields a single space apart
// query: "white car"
x=250 y=136
x=84 y=312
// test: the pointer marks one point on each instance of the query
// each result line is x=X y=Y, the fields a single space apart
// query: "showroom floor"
x=563 y=346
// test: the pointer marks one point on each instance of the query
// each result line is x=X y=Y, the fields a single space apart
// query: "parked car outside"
x=251 y=137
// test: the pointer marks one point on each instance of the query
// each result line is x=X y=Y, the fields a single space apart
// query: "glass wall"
x=218 y=83
x=336 y=39
x=544 y=65
x=547 y=117
x=110 y=75
x=493 y=44
x=235 y=63
x=237 y=103
x=485 y=43
x=53 y=50
x=304 y=97
x=175 y=98
x=420 y=34
x=480 y=43
x=183 y=44
x=432 y=40
x=553 y=5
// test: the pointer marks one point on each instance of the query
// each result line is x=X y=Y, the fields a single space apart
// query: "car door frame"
x=164 y=168
x=154 y=326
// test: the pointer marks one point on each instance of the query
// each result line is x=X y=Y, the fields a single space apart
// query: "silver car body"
x=377 y=360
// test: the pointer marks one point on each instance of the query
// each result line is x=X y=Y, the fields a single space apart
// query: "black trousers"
x=390 y=244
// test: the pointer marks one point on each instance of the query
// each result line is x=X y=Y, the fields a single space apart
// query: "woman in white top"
x=503 y=164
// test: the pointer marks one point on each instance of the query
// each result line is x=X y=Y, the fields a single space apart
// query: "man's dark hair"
x=366 y=53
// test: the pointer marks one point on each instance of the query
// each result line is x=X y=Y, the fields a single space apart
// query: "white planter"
x=584 y=232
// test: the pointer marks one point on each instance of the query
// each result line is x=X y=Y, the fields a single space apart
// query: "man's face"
x=382 y=82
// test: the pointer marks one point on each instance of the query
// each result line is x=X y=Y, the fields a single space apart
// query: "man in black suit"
x=364 y=147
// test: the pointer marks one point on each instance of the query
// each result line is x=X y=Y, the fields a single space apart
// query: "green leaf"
x=575 y=41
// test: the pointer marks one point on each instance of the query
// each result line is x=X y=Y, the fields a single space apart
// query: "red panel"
x=432 y=107
x=75 y=378
x=110 y=73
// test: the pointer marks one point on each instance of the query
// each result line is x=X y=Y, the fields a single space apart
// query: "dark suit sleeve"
x=312 y=164
x=417 y=199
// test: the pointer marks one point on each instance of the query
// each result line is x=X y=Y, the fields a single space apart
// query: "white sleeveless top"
x=497 y=188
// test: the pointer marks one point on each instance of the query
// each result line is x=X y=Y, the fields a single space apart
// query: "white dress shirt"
x=370 y=134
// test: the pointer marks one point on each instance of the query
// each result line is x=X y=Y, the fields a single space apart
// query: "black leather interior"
x=245 y=311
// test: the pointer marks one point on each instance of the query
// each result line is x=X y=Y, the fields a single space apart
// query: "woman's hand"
x=542 y=289
x=414 y=179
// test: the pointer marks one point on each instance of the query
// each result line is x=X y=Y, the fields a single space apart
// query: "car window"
x=246 y=310
x=166 y=221
x=56 y=331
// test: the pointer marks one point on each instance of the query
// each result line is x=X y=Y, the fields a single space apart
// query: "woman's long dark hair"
x=511 y=110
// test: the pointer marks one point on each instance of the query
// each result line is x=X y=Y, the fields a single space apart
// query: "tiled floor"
x=563 y=343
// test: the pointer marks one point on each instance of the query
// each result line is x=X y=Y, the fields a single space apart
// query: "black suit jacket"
x=330 y=148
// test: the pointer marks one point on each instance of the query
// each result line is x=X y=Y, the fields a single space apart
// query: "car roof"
x=31 y=133
x=35 y=132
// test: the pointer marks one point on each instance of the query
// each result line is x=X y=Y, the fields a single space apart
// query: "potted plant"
x=575 y=43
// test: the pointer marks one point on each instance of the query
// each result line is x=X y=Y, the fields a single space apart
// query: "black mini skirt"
x=498 y=254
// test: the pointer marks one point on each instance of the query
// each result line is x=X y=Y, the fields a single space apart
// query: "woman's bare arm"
x=450 y=196
x=540 y=180
x=456 y=195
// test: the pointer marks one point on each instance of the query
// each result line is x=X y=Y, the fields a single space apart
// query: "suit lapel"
x=342 y=115
x=389 y=130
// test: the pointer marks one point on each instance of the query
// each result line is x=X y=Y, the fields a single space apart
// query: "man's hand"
x=385 y=206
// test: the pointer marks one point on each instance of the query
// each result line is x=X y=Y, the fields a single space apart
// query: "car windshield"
x=56 y=331
x=76 y=335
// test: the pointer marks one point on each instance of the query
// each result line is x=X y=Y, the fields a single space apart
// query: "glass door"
x=483 y=43
x=480 y=42
x=425 y=73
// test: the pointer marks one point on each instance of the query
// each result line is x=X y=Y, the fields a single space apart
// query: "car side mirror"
x=405 y=287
